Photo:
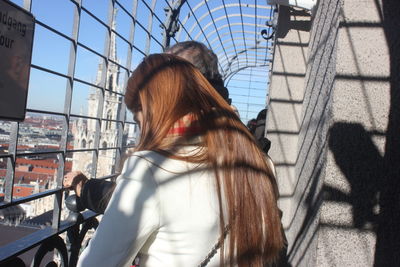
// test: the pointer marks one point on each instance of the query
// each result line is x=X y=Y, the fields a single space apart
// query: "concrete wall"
x=296 y=124
x=334 y=126
x=286 y=101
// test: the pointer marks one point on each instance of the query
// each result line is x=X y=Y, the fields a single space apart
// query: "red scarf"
x=186 y=126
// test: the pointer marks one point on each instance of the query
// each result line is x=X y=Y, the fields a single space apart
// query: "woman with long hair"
x=197 y=191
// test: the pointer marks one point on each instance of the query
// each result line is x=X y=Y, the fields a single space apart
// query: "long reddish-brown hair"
x=165 y=88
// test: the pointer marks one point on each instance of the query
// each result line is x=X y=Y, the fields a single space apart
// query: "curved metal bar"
x=192 y=12
x=195 y=18
x=215 y=26
x=211 y=11
x=237 y=38
x=232 y=24
x=227 y=64
x=244 y=65
x=74 y=235
x=255 y=22
x=75 y=239
x=183 y=26
x=272 y=25
x=16 y=248
x=14 y=262
x=251 y=59
x=217 y=9
x=230 y=28
x=242 y=25
x=233 y=38
x=219 y=35
x=228 y=78
x=54 y=243
x=243 y=47
x=233 y=33
x=183 y=22
x=222 y=27
x=241 y=52
x=252 y=62
x=228 y=25
x=249 y=51
x=238 y=44
x=264 y=34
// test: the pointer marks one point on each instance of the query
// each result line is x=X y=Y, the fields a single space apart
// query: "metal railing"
x=76 y=226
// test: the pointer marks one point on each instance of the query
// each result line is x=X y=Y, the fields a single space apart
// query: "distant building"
x=85 y=131
x=31 y=177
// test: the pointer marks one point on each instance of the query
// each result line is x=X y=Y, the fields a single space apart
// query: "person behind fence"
x=259 y=131
x=251 y=125
x=196 y=191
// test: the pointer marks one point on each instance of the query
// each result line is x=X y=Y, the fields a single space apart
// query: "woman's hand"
x=74 y=181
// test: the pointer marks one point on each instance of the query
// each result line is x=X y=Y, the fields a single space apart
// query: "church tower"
x=85 y=130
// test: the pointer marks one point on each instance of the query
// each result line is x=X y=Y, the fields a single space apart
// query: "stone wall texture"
x=334 y=123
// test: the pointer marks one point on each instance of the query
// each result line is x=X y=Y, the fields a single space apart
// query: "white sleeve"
x=132 y=215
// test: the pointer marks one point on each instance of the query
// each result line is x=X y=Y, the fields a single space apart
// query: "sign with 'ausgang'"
x=16 y=38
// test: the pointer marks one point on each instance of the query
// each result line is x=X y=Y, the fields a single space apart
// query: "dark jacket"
x=96 y=194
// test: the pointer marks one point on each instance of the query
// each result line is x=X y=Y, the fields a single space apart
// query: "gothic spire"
x=113 y=43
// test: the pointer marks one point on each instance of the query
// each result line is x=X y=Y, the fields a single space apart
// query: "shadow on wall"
x=375 y=178
x=360 y=162
x=286 y=24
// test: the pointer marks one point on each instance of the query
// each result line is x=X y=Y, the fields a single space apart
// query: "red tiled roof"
x=23 y=147
x=28 y=175
x=41 y=163
x=31 y=176
x=44 y=170
x=48 y=146
x=22 y=191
